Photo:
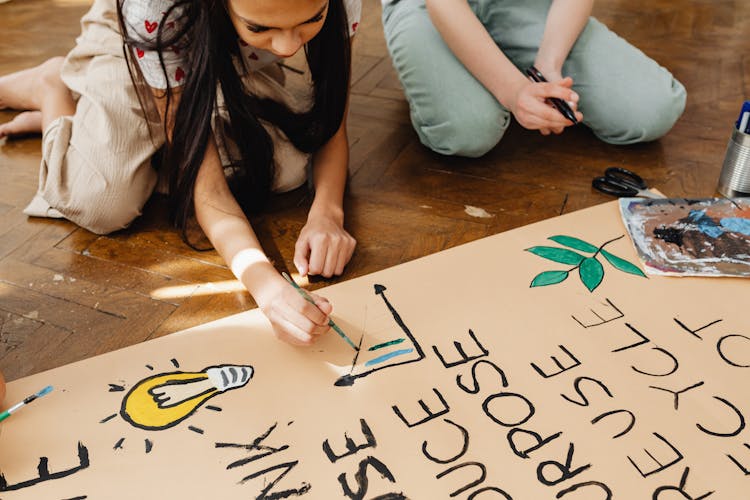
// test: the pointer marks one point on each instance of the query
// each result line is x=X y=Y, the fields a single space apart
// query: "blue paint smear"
x=736 y=225
x=705 y=224
x=386 y=357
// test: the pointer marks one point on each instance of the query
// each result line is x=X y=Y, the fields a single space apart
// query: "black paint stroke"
x=175 y=362
x=196 y=429
x=644 y=339
x=359 y=349
x=577 y=486
x=363 y=481
x=351 y=447
x=84 y=497
x=489 y=488
x=288 y=466
x=733 y=433
x=564 y=469
x=680 y=489
x=118 y=444
x=213 y=408
x=559 y=365
x=538 y=437
x=675 y=364
x=107 y=419
x=475 y=389
x=161 y=400
x=721 y=353
x=460 y=349
x=614 y=412
x=464 y=445
x=661 y=466
x=150 y=367
x=149 y=445
x=254 y=445
x=744 y=469
x=603 y=321
x=244 y=461
x=45 y=475
x=677 y=394
x=349 y=379
x=423 y=405
x=577 y=385
x=482 y=477
x=116 y=388
x=695 y=332
x=489 y=399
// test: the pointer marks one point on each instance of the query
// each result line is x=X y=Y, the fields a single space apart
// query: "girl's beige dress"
x=96 y=167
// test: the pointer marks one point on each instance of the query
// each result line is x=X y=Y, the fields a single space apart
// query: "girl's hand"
x=294 y=320
x=533 y=112
x=323 y=247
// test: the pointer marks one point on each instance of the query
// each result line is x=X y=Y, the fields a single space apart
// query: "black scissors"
x=623 y=183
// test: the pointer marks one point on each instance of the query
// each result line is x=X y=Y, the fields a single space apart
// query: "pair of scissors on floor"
x=623 y=183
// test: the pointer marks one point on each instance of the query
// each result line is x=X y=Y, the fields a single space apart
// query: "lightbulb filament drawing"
x=164 y=400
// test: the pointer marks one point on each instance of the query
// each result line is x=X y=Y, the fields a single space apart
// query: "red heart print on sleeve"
x=354 y=27
x=150 y=27
x=139 y=52
x=179 y=74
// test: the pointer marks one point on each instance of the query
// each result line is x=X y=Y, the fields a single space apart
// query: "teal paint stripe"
x=385 y=344
x=386 y=357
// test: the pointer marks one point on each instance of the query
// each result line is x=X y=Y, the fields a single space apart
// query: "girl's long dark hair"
x=208 y=42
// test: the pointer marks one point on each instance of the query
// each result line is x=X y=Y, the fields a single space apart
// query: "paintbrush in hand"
x=331 y=323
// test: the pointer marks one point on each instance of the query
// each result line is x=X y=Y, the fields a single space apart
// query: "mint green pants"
x=625 y=96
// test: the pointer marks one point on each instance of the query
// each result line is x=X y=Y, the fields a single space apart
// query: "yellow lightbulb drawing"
x=164 y=400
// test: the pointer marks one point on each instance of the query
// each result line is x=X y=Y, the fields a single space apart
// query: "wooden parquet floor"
x=67 y=294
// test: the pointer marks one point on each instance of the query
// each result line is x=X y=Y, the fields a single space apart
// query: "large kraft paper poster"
x=535 y=364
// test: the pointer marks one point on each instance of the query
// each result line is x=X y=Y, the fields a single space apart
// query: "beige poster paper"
x=470 y=383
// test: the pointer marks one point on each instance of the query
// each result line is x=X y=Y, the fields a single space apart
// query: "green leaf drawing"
x=575 y=243
x=591 y=273
x=549 y=278
x=622 y=264
x=560 y=255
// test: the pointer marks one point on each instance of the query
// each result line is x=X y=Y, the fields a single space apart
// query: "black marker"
x=559 y=104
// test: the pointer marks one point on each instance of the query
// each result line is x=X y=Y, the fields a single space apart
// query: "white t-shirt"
x=142 y=18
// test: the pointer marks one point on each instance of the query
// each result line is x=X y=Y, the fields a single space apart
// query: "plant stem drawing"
x=590 y=270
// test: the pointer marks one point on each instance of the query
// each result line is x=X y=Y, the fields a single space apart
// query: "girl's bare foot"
x=19 y=90
x=28 y=122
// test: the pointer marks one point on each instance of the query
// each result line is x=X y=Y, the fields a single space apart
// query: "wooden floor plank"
x=39 y=346
x=106 y=273
x=114 y=301
x=151 y=258
x=66 y=294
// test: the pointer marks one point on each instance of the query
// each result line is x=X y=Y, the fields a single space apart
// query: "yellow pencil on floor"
x=331 y=323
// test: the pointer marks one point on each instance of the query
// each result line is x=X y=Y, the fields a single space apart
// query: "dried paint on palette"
x=705 y=237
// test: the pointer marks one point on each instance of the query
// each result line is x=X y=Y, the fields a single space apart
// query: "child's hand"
x=323 y=247
x=533 y=112
x=294 y=320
